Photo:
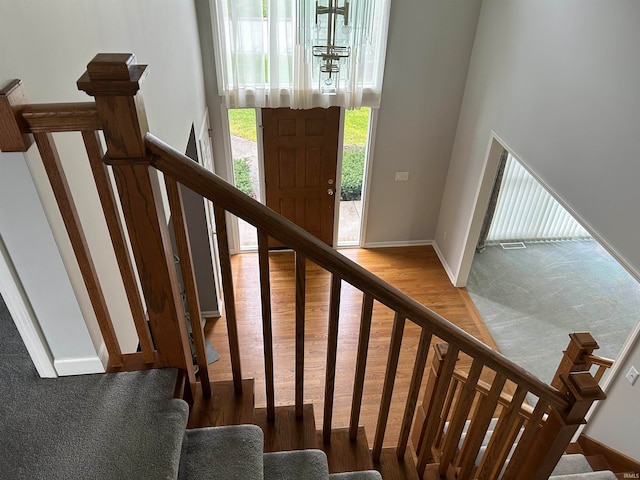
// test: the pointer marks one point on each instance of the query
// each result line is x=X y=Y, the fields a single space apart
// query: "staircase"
x=466 y=379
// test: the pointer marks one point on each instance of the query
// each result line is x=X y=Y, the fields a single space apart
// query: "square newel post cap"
x=112 y=74
x=582 y=390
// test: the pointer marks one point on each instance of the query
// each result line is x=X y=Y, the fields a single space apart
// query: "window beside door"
x=246 y=177
x=355 y=141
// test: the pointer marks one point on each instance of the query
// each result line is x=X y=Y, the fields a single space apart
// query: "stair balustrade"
x=492 y=387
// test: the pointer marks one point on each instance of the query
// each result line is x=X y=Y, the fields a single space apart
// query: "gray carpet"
x=531 y=299
x=223 y=453
x=98 y=427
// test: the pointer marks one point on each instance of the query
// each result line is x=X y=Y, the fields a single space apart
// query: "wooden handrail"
x=202 y=181
x=61 y=117
x=601 y=361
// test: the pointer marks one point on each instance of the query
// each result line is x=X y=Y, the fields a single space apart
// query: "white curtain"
x=262 y=59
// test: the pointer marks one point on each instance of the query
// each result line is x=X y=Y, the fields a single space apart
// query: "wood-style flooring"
x=416 y=271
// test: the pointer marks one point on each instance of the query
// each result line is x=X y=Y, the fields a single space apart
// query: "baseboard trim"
x=452 y=277
x=103 y=355
x=418 y=243
x=78 y=366
x=619 y=462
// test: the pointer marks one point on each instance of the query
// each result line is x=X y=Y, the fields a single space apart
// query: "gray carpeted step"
x=296 y=465
x=606 y=475
x=364 y=475
x=122 y=425
x=222 y=453
x=570 y=464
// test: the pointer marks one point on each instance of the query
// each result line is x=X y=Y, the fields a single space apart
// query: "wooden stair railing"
x=134 y=155
x=454 y=419
x=118 y=113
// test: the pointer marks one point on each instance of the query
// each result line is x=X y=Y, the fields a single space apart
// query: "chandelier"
x=333 y=35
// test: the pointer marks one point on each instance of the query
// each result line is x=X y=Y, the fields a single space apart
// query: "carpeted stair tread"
x=366 y=475
x=222 y=453
x=605 y=475
x=121 y=425
x=296 y=465
x=573 y=463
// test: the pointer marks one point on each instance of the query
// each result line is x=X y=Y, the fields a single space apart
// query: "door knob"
x=329 y=191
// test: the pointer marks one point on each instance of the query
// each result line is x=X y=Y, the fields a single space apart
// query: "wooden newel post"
x=12 y=136
x=575 y=359
x=557 y=431
x=114 y=80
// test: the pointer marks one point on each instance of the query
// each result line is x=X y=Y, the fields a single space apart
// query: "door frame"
x=234 y=236
x=490 y=168
x=203 y=140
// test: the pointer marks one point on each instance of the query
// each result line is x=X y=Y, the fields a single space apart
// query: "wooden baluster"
x=267 y=335
x=444 y=364
x=444 y=418
x=459 y=417
x=62 y=193
x=332 y=351
x=389 y=380
x=114 y=80
x=552 y=439
x=229 y=297
x=301 y=281
x=576 y=357
x=481 y=420
x=503 y=437
x=526 y=440
x=438 y=441
x=189 y=280
x=114 y=224
x=414 y=391
x=440 y=350
x=361 y=363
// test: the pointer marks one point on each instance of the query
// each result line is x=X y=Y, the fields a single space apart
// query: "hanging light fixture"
x=332 y=34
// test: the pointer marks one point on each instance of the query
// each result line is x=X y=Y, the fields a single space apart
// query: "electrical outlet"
x=632 y=375
x=402 y=176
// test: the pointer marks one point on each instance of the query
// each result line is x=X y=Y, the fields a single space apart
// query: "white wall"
x=428 y=51
x=47 y=45
x=615 y=423
x=34 y=256
x=558 y=82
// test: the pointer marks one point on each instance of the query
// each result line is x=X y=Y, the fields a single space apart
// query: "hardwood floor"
x=414 y=270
